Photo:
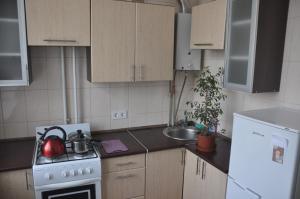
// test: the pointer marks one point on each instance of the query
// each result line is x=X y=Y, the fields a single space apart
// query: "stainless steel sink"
x=181 y=133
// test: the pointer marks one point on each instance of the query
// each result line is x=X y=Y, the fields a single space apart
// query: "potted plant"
x=207 y=107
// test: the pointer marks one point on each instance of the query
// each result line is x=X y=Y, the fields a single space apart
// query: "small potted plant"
x=207 y=107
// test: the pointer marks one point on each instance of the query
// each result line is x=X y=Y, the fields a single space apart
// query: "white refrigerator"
x=265 y=153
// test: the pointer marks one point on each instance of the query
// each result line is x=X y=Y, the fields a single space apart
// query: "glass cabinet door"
x=240 y=44
x=13 y=46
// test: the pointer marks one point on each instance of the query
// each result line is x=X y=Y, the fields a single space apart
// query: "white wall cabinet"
x=202 y=180
x=16 y=184
x=164 y=174
x=208 y=25
x=58 y=22
x=13 y=44
x=255 y=44
x=131 y=42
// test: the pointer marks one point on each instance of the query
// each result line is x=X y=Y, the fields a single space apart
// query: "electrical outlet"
x=119 y=115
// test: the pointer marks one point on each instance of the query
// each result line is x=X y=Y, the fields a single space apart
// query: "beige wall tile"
x=53 y=52
x=32 y=125
x=54 y=73
x=56 y=111
x=100 y=102
x=119 y=98
x=118 y=124
x=100 y=123
x=37 y=103
x=13 y=106
x=138 y=99
x=39 y=74
x=293 y=81
x=154 y=118
x=137 y=119
x=37 y=52
x=83 y=103
x=294 y=51
x=81 y=73
x=15 y=130
x=154 y=101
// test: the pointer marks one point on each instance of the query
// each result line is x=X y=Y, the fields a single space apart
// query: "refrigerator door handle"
x=253 y=193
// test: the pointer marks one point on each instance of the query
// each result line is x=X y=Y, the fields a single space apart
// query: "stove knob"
x=48 y=176
x=73 y=173
x=89 y=170
x=80 y=171
x=64 y=174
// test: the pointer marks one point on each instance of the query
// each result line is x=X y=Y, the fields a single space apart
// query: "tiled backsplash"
x=41 y=103
x=289 y=94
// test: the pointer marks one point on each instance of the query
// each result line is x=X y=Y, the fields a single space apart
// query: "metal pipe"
x=180 y=95
x=63 y=79
x=74 y=86
x=185 y=6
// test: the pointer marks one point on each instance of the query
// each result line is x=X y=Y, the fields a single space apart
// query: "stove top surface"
x=68 y=156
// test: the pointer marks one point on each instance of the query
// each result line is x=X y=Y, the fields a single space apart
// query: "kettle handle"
x=53 y=128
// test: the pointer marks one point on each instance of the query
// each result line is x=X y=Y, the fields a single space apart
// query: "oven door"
x=72 y=190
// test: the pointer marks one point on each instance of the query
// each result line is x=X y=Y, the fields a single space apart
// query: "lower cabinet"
x=202 y=180
x=123 y=177
x=164 y=174
x=16 y=184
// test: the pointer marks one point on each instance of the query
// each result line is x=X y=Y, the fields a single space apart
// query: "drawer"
x=123 y=163
x=124 y=184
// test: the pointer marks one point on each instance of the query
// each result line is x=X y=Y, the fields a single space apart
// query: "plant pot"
x=206 y=143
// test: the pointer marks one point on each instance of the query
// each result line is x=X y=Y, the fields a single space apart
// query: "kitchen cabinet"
x=58 y=22
x=255 y=45
x=208 y=25
x=202 y=180
x=164 y=174
x=16 y=184
x=13 y=44
x=131 y=42
x=123 y=177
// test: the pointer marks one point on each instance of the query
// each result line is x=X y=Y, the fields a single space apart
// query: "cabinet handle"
x=60 y=40
x=197 y=168
x=204 y=44
x=182 y=157
x=126 y=176
x=202 y=173
x=125 y=164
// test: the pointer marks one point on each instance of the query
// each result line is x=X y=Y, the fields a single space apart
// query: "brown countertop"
x=133 y=146
x=154 y=140
x=16 y=154
x=220 y=157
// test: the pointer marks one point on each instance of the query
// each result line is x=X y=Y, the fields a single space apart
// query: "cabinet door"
x=58 y=22
x=240 y=44
x=113 y=41
x=208 y=25
x=124 y=184
x=13 y=185
x=164 y=174
x=193 y=184
x=154 y=42
x=214 y=186
x=13 y=46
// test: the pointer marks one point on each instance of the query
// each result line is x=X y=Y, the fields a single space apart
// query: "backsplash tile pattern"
x=41 y=103
x=289 y=94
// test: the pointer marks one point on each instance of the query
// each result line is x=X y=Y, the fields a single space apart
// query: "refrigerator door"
x=252 y=161
x=237 y=191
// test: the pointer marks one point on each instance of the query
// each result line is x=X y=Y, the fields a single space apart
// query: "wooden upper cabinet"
x=58 y=22
x=131 y=41
x=113 y=41
x=208 y=25
x=154 y=42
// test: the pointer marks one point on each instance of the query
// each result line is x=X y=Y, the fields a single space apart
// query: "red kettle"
x=52 y=145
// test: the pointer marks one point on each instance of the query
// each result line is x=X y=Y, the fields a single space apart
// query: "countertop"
x=17 y=153
x=133 y=146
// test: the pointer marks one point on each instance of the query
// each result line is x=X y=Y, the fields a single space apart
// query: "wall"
x=289 y=94
x=24 y=108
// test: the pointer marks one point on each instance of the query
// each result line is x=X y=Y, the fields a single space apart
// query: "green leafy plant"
x=208 y=108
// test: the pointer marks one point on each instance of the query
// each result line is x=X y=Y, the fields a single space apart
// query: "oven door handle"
x=67 y=184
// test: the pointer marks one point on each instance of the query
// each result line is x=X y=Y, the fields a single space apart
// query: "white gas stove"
x=70 y=175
